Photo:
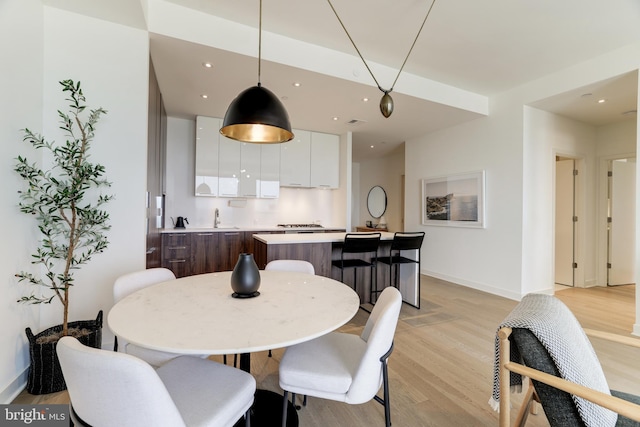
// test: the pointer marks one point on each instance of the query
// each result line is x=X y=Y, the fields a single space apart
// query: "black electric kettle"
x=179 y=222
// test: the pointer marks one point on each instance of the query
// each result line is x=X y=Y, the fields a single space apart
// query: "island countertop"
x=265 y=229
x=303 y=238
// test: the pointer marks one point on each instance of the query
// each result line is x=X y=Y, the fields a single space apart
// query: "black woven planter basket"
x=45 y=375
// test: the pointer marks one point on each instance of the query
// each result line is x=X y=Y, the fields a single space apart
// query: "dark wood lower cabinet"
x=176 y=253
x=318 y=254
x=195 y=252
x=204 y=252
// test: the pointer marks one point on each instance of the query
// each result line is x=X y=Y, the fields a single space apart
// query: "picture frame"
x=454 y=200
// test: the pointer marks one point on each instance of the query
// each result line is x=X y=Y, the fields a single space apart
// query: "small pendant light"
x=257 y=115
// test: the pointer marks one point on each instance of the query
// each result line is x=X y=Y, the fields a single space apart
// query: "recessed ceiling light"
x=365 y=99
x=602 y=101
x=372 y=146
x=335 y=119
x=297 y=84
x=204 y=96
x=207 y=64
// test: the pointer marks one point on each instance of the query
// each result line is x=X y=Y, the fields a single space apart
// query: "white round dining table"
x=198 y=315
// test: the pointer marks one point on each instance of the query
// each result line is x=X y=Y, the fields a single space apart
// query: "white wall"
x=488 y=258
x=91 y=51
x=21 y=38
x=295 y=205
x=512 y=256
x=549 y=135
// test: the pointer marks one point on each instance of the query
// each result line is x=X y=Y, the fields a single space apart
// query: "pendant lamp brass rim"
x=257 y=115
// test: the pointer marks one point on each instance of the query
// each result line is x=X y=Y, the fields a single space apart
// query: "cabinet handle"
x=205 y=234
x=177 y=247
x=229 y=195
x=231 y=234
x=173 y=261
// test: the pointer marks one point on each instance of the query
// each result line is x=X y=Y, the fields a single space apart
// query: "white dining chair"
x=345 y=367
x=294 y=265
x=111 y=389
x=127 y=284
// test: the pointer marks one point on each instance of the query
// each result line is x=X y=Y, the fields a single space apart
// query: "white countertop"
x=281 y=239
x=245 y=228
x=198 y=315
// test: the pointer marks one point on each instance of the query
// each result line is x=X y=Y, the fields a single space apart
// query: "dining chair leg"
x=285 y=404
x=387 y=406
x=247 y=418
x=115 y=344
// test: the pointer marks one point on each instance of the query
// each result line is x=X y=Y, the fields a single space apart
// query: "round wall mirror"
x=377 y=201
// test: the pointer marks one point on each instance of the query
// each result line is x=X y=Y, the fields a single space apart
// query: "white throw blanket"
x=561 y=334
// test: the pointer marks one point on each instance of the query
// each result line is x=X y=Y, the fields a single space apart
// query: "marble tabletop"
x=198 y=315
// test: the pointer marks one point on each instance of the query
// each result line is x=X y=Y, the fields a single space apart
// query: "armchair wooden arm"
x=620 y=406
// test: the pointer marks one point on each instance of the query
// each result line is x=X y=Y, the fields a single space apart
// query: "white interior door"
x=564 y=238
x=622 y=223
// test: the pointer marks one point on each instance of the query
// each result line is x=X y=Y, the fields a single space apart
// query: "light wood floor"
x=441 y=368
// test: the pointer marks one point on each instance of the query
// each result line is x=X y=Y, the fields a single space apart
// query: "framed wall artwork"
x=454 y=200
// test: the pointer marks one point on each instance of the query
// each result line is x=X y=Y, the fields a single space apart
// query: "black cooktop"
x=300 y=225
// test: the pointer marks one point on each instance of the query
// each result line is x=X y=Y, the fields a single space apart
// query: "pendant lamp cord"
x=365 y=62
x=260 y=44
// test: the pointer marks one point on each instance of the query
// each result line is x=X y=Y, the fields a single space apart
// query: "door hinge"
x=575 y=172
x=608 y=265
x=575 y=219
x=610 y=173
x=609 y=219
x=575 y=265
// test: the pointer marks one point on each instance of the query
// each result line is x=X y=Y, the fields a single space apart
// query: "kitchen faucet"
x=216 y=218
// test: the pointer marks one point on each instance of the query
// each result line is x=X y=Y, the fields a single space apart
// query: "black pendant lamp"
x=257 y=115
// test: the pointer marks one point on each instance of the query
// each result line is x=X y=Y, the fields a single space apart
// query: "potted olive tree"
x=66 y=201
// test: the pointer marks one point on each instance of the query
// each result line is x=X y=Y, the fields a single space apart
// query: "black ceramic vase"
x=245 y=278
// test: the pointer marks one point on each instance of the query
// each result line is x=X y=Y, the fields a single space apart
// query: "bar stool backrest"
x=361 y=242
x=407 y=240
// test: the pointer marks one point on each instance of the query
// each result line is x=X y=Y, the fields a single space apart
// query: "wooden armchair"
x=560 y=398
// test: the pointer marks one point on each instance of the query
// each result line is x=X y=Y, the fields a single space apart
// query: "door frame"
x=602 y=215
x=580 y=211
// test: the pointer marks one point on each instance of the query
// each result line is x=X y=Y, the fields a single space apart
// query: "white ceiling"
x=485 y=47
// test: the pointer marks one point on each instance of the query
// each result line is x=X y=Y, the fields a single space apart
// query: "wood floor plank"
x=441 y=369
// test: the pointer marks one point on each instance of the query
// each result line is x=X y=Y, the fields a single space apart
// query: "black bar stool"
x=402 y=241
x=359 y=243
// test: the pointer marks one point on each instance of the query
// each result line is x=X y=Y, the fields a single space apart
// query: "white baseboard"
x=474 y=285
x=12 y=391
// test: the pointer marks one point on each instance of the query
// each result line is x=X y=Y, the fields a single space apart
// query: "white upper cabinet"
x=229 y=167
x=207 y=144
x=295 y=160
x=249 y=169
x=325 y=160
x=270 y=171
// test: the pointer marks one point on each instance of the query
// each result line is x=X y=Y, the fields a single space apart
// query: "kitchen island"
x=321 y=248
x=190 y=251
